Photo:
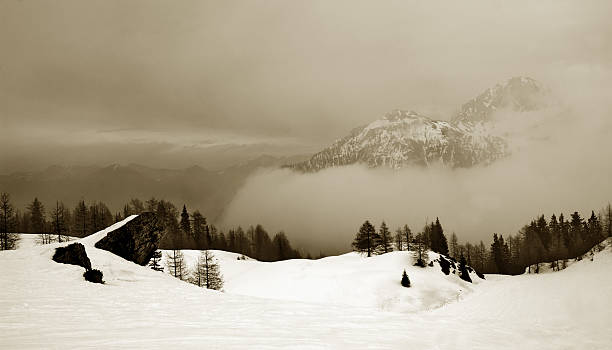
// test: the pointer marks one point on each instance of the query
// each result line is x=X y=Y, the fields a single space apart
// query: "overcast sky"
x=152 y=81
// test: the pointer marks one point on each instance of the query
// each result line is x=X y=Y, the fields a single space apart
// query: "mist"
x=560 y=162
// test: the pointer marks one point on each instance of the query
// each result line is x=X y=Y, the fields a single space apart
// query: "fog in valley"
x=560 y=162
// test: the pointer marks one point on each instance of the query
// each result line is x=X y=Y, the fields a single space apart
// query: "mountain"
x=198 y=188
x=407 y=138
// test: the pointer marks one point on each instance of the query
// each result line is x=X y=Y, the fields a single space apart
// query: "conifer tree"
x=408 y=235
x=80 y=219
x=420 y=249
x=59 y=222
x=454 y=244
x=399 y=239
x=405 y=280
x=386 y=243
x=175 y=261
x=207 y=272
x=366 y=239
x=155 y=262
x=185 y=224
x=199 y=230
x=8 y=239
x=37 y=221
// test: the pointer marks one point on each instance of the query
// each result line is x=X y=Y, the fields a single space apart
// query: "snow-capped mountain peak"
x=402 y=138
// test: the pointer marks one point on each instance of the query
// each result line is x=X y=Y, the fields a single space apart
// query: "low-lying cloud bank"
x=561 y=161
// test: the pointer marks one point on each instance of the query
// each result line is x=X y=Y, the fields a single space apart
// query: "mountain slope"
x=49 y=305
x=403 y=138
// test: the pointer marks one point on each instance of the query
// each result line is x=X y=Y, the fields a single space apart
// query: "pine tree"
x=185 y=224
x=408 y=235
x=282 y=247
x=8 y=239
x=608 y=220
x=199 y=230
x=366 y=240
x=437 y=239
x=420 y=250
x=399 y=239
x=37 y=216
x=175 y=262
x=386 y=243
x=405 y=280
x=155 y=262
x=80 y=219
x=454 y=243
x=59 y=222
x=207 y=272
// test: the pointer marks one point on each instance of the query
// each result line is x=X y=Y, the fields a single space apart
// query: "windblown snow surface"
x=338 y=302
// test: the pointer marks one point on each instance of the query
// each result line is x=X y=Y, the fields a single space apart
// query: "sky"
x=168 y=84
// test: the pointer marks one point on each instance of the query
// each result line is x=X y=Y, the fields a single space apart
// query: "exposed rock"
x=94 y=276
x=445 y=265
x=73 y=254
x=135 y=241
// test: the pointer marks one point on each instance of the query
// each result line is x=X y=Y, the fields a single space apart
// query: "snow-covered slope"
x=48 y=305
x=349 y=279
x=404 y=138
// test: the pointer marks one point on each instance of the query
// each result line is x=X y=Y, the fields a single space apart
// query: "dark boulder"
x=135 y=241
x=73 y=254
x=94 y=276
x=445 y=265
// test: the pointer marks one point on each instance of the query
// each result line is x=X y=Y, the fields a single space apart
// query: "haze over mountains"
x=405 y=138
x=207 y=190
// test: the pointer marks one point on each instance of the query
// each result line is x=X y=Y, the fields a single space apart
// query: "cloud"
x=560 y=162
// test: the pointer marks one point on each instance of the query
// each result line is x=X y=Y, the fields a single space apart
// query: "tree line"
x=183 y=230
x=552 y=241
x=369 y=241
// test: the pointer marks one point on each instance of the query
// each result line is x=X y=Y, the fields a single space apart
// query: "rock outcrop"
x=73 y=254
x=135 y=241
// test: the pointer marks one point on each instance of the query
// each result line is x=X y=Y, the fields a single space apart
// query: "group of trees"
x=56 y=223
x=191 y=231
x=183 y=230
x=206 y=273
x=369 y=241
x=554 y=241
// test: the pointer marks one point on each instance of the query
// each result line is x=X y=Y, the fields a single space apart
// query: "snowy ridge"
x=341 y=280
x=406 y=138
x=49 y=305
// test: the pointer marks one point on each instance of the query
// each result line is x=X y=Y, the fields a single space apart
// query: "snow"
x=339 y=280
x=48 y=305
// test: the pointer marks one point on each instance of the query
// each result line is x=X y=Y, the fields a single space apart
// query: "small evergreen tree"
x=155 y=262
x=405 y=280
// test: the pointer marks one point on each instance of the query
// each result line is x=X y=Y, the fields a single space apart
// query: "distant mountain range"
x=198 y=188
x=407 y=138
